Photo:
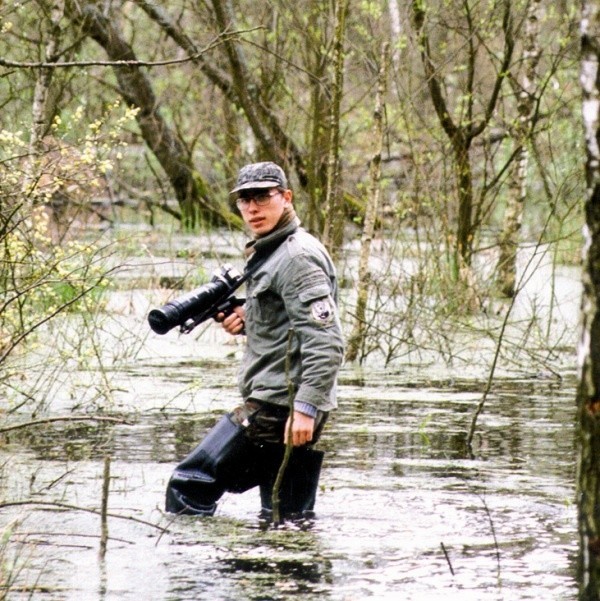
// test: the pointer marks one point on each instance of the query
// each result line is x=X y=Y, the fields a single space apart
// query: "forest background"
x=435 y=147
x=453 y=129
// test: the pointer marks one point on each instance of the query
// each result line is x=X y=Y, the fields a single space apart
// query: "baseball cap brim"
x=256 y=185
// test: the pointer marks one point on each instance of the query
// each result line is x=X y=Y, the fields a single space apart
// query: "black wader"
x=236 y=457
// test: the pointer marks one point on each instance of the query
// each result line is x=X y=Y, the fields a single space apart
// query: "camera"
x=200 y=304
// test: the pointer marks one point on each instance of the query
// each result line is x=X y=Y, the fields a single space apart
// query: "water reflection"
x=396 y=485
x=254 y=563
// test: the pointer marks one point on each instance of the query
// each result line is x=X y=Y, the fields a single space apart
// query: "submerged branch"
x=67 y=418
x=69 y=507
x=447 y=558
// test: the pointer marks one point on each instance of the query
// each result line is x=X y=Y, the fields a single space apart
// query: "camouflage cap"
x=260 y=175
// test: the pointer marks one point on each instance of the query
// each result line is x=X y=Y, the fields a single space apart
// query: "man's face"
x=262 y=208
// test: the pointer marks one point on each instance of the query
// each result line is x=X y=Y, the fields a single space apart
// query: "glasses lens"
x=260 y=198
x=263 y=198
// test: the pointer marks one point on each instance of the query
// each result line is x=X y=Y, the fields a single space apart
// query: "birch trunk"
x=396 y=30
x=39 y=108
x=357 y=338
x=40 y=124
x=588 y=396
x=513 y=215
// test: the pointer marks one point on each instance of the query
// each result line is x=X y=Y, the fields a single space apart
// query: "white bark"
x=356 y=339
x=513 y=215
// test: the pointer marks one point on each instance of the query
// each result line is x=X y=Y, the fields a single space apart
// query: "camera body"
x=191 y=309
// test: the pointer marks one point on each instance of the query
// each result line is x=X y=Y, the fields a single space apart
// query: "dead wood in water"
x=67 y=418
x=289 y=443
x=50 y=505
x=104 y=507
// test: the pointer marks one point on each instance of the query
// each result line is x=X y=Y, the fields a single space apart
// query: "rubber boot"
x=220 y=462
x=298 y=490
x=197 y=495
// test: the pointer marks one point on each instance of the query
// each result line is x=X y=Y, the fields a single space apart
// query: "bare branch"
x=69 y=507
x=67 y=418
x=125 y=63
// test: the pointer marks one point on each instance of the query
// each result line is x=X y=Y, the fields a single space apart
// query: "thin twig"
x=66 y=418
x=489 y=515
x=447 y=558
x=124 y=63
x=66 y=506
x=289 y=443
x=521 y=285
x=27 y=535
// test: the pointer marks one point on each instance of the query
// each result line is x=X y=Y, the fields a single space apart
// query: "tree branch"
x=123 y=63
x=67 y=506
x=433 y=82
x=67 y=418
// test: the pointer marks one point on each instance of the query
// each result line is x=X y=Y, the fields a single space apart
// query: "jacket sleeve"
x=309 y=298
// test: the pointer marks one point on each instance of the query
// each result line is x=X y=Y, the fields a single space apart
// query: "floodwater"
x=404 y=512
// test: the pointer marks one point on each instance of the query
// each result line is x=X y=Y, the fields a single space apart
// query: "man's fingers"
x=302 y=430
x=233 y=324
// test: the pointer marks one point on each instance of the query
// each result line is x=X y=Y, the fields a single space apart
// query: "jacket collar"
x=267 y=244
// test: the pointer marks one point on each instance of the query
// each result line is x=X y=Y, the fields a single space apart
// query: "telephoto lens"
x=196 y=304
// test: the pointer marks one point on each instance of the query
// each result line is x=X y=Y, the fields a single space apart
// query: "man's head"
x=262 y=195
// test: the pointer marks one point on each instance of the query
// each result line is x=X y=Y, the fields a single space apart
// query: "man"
x=293 y=351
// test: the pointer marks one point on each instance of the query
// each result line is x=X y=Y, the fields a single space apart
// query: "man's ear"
x=288 y=196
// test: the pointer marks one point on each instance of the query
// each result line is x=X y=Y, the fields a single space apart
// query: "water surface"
x=403 y=512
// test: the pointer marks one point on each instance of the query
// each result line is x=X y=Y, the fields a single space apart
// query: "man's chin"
x=261 y=230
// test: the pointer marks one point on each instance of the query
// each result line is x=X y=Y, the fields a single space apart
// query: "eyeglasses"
x=261 y=199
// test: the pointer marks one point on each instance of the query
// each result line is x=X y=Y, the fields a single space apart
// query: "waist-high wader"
x=244 y=450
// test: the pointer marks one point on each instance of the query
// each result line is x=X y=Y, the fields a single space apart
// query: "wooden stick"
x=104 y=507
x=67 y=418
x=67 y=506
x=447 y=558
x=289 y=444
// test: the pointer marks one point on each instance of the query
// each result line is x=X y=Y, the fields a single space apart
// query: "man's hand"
x=302 y=429
x=234 y=322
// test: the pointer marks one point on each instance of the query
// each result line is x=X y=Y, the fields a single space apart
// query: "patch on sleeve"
x=322 y=311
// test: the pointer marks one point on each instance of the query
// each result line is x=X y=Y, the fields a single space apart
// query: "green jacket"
x=294 y=290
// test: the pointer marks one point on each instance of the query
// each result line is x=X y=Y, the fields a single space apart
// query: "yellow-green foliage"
x=42 y=274
x=40 y=279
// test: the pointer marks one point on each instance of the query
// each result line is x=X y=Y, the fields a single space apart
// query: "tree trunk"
x=317 y=162
x=40 y=124
x=274 y=142
x=397 y=31
x=462 y=133
x=464 y=181
x=588 y=397
x=333 y=233
x=320 y=109
x=357 y=338
x=40 y=114
x=136 y=89
x=513 y=214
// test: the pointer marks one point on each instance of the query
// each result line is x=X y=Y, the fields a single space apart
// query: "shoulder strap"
x=258 y=260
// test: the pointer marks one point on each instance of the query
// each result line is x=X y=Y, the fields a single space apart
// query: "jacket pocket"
x=265 y=305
